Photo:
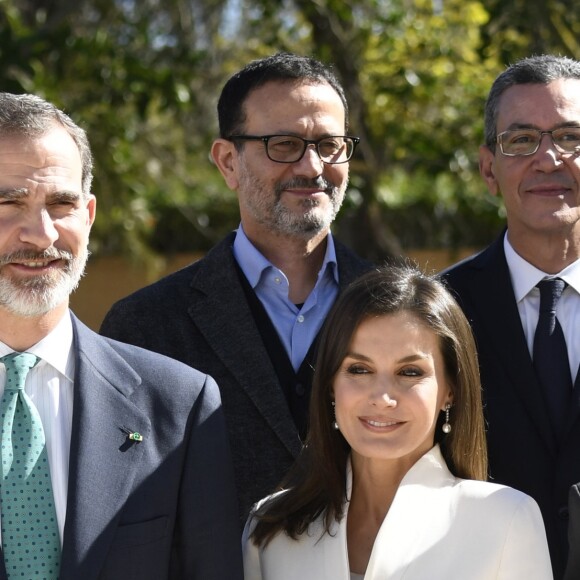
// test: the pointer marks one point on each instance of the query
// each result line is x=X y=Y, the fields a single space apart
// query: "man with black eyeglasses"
x=521 y=294
x=249 y=312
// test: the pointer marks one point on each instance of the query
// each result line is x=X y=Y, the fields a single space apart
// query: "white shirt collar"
x=56 y=348
x=525 y=277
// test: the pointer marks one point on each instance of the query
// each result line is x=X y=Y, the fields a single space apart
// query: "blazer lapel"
x=492 y=299
x=417 y=518
x=103 y=461
x=221 y=313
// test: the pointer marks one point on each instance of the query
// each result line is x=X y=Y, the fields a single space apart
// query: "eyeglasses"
x=290 y=149
x=527 y=141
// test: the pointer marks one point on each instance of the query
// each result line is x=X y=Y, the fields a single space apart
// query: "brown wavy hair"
x=316 y=484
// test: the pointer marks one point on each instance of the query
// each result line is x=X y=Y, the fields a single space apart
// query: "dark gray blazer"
x=523 y=451
x=163 y=508
x=201 y=317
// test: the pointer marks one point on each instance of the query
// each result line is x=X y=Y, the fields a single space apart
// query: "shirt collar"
x=525 y=277
x=253 y=263
x=56 y=348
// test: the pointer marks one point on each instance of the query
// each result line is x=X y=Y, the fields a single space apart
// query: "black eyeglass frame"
x=307 y=142
x=499 y=141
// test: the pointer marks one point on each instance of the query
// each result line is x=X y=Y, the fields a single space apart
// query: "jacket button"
x=300 y=390
x=563 y=513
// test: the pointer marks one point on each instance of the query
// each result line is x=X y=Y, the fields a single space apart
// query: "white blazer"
x=438 y=527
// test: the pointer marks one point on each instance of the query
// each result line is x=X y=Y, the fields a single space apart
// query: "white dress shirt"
x=524 y=278
x=50 y=386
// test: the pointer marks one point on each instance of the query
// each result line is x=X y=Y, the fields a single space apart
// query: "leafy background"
x=143 y=77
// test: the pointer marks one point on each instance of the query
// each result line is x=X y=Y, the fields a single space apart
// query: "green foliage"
x=522 y=27
x=143 y=78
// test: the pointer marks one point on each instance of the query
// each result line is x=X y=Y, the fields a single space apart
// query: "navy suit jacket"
x=163 y=508
x=523 y=450
x=200 y=316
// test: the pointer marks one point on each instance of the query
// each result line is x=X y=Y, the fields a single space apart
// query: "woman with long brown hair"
x=390 y=483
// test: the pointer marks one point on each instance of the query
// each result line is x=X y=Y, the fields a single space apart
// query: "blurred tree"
x=416 y=84
x=523 y=27
x=143 y=78
x=137 y=76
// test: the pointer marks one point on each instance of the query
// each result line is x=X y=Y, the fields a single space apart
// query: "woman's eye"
x=411 y=372
x=356 y=370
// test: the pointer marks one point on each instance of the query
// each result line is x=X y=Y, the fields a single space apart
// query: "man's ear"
x=225 y=156
x=487 y=169
x=92 y=209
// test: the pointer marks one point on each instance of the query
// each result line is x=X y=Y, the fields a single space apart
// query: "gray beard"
x=279 y=219
x=311 y=222
x=38 y=296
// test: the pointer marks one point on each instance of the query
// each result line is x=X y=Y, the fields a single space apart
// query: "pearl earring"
x=334 y=424
x=446 y=427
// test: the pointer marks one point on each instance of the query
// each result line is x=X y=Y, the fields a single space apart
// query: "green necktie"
x=30 y=539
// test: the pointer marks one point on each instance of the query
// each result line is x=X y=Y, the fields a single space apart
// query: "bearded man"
x=114 y=460
x=249 y=312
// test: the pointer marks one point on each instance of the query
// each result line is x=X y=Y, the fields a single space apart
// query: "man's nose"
x=310 y=164
x=39 y=230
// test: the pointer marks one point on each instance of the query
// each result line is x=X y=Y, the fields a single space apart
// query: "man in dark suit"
x=531 y=158
x=248 y=313
x=130 y=447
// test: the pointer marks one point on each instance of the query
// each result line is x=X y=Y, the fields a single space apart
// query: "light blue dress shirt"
x=297 y=326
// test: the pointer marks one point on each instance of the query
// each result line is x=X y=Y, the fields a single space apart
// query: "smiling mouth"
x=34 y=264
x=36 y=260
x=307 y=192
x=549 y=189
x=382 y=423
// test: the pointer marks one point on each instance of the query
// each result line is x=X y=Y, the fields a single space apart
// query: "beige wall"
x=108 y=279
x=111 y=278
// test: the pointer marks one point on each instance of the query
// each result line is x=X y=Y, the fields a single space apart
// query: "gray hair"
x=31 y=116
x=542 y=70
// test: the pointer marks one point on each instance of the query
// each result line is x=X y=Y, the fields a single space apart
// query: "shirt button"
x=300 y=390
x=300 y=318
x=277 y=279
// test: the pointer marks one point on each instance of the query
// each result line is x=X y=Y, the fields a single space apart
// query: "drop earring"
x=446 y=427
x=334 y=424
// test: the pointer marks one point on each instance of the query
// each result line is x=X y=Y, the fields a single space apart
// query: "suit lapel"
x=221 y=313
x=492 y=299
x=574 y=411
x=103 y=461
